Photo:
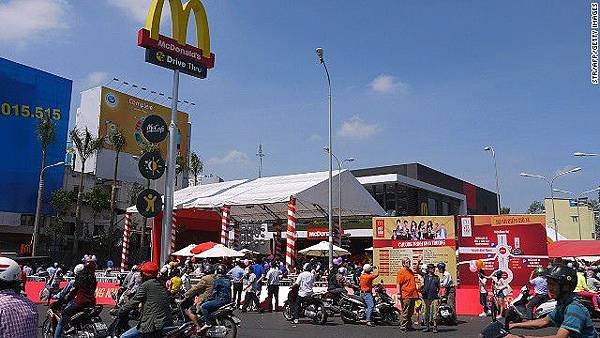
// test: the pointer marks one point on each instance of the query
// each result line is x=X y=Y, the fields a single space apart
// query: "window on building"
x=76 y=189
x=575 y=219
x=27 y=220
x=432 y=206
x=445 y=208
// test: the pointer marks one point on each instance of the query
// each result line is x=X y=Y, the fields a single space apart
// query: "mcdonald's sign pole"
x=174 y=53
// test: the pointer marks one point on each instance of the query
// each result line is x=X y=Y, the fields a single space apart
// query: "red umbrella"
x=203 y=247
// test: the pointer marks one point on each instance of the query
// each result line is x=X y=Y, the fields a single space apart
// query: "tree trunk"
x=78 y=226
x=113 y=200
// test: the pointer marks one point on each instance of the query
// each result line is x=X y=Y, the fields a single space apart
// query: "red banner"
x=104 y=292
x=399 y=244
x=313 y=234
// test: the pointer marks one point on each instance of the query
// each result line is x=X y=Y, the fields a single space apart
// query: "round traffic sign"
x=151 y=165
x=154 y=128
x=149 y=203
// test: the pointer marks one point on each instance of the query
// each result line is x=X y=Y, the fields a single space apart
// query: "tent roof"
x=265 y=199
x=574 y=248
x=204 y=190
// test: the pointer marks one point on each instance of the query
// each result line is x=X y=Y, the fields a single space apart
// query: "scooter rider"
x=156 y=312
x=221 y=295
x=202 y=290
x=540 y=287
x=447 y=287
x=18 y=315
x=570 y=316
x=305 y=282
x=333 y=281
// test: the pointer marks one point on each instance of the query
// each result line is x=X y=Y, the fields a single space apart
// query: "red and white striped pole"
x=126 y=233
x=224 y=224
x=290 y=253
x=173 y=231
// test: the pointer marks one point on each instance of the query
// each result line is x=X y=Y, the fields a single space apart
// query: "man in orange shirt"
x=407 y=292
x=366 y=290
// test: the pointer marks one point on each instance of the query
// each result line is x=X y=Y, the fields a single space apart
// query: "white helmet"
x=78 y=268
x=9 y=270
x=367 y=268
x=342 y=270
x=307 y=267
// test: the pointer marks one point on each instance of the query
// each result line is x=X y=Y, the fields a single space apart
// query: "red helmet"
x=149 y=269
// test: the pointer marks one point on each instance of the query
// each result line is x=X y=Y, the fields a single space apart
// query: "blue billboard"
x=26 y=96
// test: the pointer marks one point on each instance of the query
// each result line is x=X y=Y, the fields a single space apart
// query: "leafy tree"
x=180 y=166
x=118 y=142
x=505 y=210
x=536 y=207
x=85 y=146
x=98 y=200
x=196 y=166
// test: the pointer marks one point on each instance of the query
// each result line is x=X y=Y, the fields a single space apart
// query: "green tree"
x=98 y=200
x=196 y=166
x=118 y=142
x=85 y=146
x=536 y=207
x=505 y=210
x=180 y=166
x=46 y=135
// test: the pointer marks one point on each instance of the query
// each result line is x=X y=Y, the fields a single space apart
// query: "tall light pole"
x=551 y=184
x=38 y=208
x=319 y=52
x=491 y=149
x=340 y=164
x=578 y=198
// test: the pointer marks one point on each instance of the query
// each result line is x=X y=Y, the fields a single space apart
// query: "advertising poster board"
x=515 y=244
x=26 y=96
x=430 y=239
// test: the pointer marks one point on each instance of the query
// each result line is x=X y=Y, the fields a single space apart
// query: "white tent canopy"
x=218 y=251
x=322 y=250
x=185 y=252
x=550 y=233
x=265 y=199
x=198 y=191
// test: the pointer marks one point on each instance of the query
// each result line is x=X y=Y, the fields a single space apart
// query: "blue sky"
x=430 y=82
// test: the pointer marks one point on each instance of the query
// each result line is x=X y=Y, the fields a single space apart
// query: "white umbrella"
x=219 y=250
x=322 y=250
x=185 y=252
x=369 y=249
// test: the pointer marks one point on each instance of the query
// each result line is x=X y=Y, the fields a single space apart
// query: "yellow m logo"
x=180 y=15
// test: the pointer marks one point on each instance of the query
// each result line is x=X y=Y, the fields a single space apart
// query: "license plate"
x=236 y=320
x=100 y=326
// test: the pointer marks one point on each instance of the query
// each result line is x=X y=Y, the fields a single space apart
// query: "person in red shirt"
x=407 y=293
x=366 y=290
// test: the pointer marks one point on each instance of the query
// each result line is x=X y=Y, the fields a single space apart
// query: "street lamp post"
x=38 y=208
x=319 y=52
x=491 y=149
x=551 y=184
x=578 y=198
x=340 y=164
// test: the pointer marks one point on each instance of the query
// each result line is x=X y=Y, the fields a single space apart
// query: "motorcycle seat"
x=356 y=298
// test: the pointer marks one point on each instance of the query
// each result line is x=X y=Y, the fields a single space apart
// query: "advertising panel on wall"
x=429 y=239
x=515 y=244
x=26 y=96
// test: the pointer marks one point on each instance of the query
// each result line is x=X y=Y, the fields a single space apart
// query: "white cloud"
x=136 y=9
x=387 y=84
x=234 y=156
x=315 y=138
x=94 y=79
x=24 y=20
x=357 y=128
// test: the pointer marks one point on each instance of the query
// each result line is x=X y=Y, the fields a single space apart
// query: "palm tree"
x=86 y=146
x=196 y=166
x=46 y=134
x=118 y=142
x=180 y=166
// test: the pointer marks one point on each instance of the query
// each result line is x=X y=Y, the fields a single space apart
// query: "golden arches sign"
x=180 y=15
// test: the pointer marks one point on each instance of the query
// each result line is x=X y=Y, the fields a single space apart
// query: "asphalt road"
x=274 y=325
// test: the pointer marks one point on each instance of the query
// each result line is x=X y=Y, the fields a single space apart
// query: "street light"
x=551 y=184
x=491 y=149
x=319 y=52
x=580 y=154
x=578 y=197
x=340 y=164
x=38 y=208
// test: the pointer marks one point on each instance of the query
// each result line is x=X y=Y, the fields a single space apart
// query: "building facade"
x=574 y=221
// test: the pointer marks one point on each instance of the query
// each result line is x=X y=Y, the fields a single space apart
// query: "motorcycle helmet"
x=78 y=268
x=498 y=273
x=441 y=266
x=134 y=268
x=209 y=269
x=307 y=267
x=367 y=268
x=563 y=275
x=149 y=269
x=9 y=270
x=430 y=266
x=221 y=270
x=342 y=270
x=539 y=271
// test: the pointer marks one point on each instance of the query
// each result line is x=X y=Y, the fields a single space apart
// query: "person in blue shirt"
x=237 y=276
x=540 y=290
x=221 y=295
x=570 y=316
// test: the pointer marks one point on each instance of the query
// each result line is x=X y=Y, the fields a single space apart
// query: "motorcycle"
x=85 y=323
x=446 y=314
x=353 y=308
x=312 y=307
x=517 y=309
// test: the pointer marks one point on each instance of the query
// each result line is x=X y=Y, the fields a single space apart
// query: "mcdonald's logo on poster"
x=187 y=58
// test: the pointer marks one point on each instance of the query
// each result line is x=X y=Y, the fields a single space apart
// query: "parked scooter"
x=446 y=313
x=312 y=307
x=353 y=308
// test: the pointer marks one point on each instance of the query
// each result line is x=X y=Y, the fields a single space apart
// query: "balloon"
x=472 y=268
x=479 y=264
